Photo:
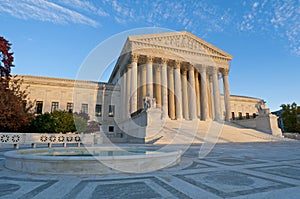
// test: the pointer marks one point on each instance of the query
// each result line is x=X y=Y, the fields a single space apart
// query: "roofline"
x=132 y=37
x=246 y=97
x=179 y=33
x=60 y=78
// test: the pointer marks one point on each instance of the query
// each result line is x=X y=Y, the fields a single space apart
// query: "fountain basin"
x=90 y=160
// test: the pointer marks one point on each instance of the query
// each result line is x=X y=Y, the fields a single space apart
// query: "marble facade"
x=182 y=72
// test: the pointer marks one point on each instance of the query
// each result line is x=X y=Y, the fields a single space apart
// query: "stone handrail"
x=17 y=139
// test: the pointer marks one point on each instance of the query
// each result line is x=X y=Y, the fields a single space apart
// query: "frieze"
x=139 y=46
x=182 y=42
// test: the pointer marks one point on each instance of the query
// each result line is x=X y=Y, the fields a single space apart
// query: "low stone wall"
x=249 y=123
x=17 y=139
x=265 y=123
x=295 y=136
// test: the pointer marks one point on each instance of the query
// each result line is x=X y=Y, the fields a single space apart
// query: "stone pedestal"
x=268 y=123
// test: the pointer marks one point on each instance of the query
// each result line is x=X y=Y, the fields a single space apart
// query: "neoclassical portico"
x=174 y=68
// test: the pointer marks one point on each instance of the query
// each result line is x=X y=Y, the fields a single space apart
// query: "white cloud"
x=102 y=13
x=83 y=5
x=255 y=5
x=79 y=4
x=116 y=6
x=43 y=10
x=277 y=19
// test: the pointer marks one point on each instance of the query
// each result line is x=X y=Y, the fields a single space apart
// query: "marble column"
x=133 y=87
x=149 y=71
x=197 y=87
x=127 y=91
x=123 y=95
x=216 y=93
x=143 y=88
x=226 y=94
x=158 y=85
x=178 y=95
x=185 y=103
x=211 y=97
x=171 y=92
x=204 y=95
x=192 y=94
x=164 y=88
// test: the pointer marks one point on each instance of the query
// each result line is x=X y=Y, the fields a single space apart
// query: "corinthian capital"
x=213 y=70
x=190 y=67
x=149 y=59
x=225 y=71
x=164 y=61
x=177 y=64
x=134 y=58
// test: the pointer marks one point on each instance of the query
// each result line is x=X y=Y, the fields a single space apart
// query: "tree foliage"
x=80 y=124
x=58 y=122
x=93 y=126
x=6 y=62
x=15 y=112
x=290 y=117
x=43 y=123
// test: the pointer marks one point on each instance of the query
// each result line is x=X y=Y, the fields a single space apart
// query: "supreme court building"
x=183 y=76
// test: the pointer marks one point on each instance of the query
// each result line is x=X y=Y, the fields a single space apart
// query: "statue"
x=149 y=102
x=260 y=108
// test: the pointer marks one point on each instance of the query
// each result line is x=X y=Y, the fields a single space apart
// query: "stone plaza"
x=165 y=90
x=230 y=170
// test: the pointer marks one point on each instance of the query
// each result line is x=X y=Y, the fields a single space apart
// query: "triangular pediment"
x=182 y=41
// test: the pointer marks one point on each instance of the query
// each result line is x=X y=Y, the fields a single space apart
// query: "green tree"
x=290 y=118
x=63 y=121
x=15 y=109
x=80 y=124
x=43 y=123
x=58 y=122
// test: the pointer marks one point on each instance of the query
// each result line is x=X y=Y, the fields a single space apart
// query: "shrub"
x=58 y=122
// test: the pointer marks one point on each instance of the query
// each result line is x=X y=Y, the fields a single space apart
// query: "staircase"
x=198 y=132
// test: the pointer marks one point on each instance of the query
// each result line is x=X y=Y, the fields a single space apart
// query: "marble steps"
x=197 y=132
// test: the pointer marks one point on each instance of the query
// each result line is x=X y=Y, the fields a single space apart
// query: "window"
x=39 y=107
x=98 y=110
x=247 y=116
x=54 y=106
x=240 y=115
x=111 y=129
x=70 y=107
x=84 y=108
x=111 y=111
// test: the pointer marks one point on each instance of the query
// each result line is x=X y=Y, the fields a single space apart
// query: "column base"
x=165 y=117
x=207 y=120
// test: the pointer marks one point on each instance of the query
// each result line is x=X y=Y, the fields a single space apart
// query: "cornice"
x=180 y=40
x=61 y=82
x=179 y=53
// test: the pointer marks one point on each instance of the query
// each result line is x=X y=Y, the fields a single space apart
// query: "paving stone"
x=231 y=183
x=284 y=171
x=234 y=161
x=124 y=191
x=6 y=188
x=233 y=170
x=197 y=165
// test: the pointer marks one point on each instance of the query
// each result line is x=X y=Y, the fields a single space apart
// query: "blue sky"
x=54 y=37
